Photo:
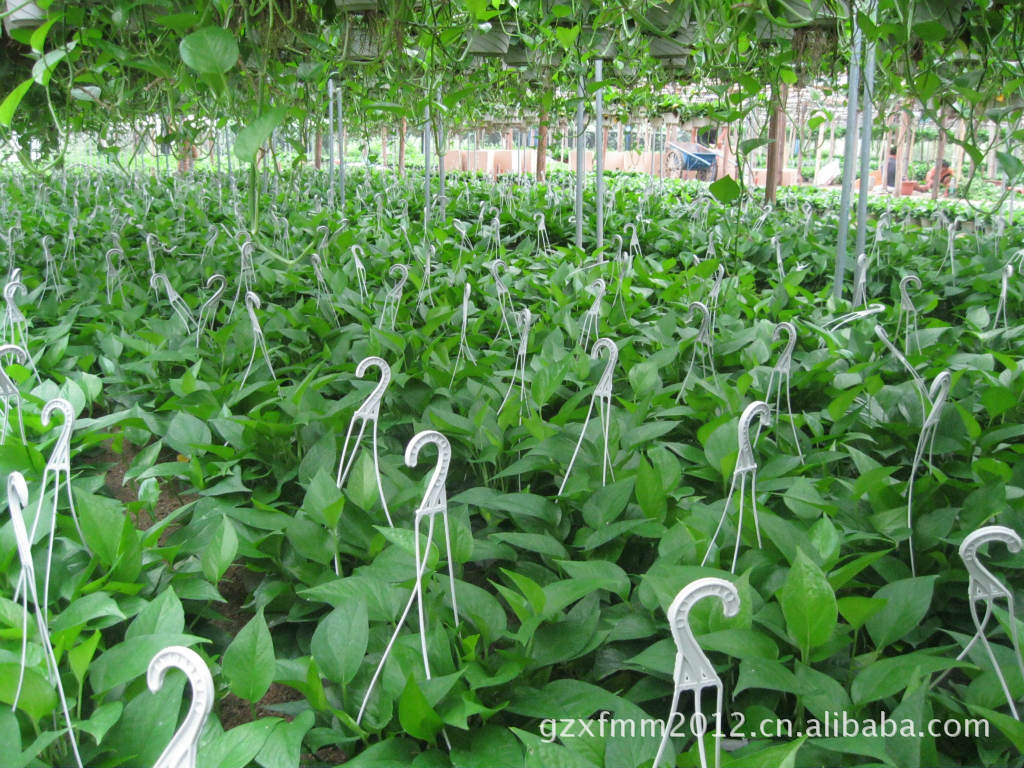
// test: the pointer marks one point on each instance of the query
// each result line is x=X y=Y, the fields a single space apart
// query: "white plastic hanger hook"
x=464 y=348
x=985 y=588
x=693 y=671
x=17 y=500
x=592 y=317
x=860 y=281
x=208 y=309
x=702 y=345
x=181 y=751
x=524 y=319
x=746 y=466
x=779 y=381
x=368 y=411
x=9 y=390
x=393 y=297
x=252 y=303
x=177 y=304
x=434 y=503
x=907 y=319
x=603 y=396
x=504 y=298
x=357 y=252
x=937 y=395
x=1003 y=291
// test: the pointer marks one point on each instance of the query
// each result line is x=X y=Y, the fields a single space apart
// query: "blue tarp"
x=694 y=156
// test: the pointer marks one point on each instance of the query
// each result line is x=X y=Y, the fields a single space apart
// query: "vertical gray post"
x=330 y=140
x=848 y=158
x=598 y=154
x=580 y=145
x=440 y=173
x=650 y=140
x=426 y=170
x=865 y=137
x=341 y=153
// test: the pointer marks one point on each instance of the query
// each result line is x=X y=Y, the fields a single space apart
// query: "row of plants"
x=210 y=515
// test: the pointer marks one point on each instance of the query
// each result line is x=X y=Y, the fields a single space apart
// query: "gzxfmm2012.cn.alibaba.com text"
x=833 y=725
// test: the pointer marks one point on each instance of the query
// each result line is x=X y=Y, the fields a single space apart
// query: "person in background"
x=890 y=168
x=944 y=179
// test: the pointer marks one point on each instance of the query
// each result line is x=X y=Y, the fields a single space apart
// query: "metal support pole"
x=341 y=153
x=580 y=144
x=865 y=137
x=848 y=158
x=426 y=169
x=599 y=151
x=330 y=141
x=440 y=174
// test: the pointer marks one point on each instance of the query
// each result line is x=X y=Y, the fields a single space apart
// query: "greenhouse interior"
x=512 y=384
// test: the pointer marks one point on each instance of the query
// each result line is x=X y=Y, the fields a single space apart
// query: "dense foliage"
x=210 y=516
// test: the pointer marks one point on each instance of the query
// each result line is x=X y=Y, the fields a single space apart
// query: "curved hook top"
x=710 y=586
x=434 y=498
x=524 y=319
x=716 y=287
x=905 y=301
x=252 y=301
x=938 y=392
x=17 y=493
x=975 y=539
x=220 y=280
x=704 y=333
x=759 y=409
x=692 y=669
x=787 y=353
x=155 y=278
x=598 y=288
x=982 y=583
x=17 y=500
x=603 y=344
x=1007 y=273
x=246 y=250
x=745 y=459
x=189 y=662
x=539 y=218
x=182 y=748
x=370 y=407
x=375 y=362
x=60 y=457
x=403 y=274
x=58 y=404
x=604 y=384
x=12 y=288
x=14 y=349
x=493 y=267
